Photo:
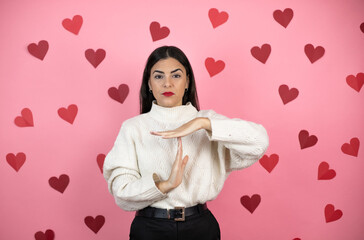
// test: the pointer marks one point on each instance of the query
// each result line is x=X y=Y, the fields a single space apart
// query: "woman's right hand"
x=176 y=176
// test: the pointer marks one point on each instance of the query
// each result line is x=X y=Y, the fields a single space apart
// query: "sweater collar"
x=172 y=114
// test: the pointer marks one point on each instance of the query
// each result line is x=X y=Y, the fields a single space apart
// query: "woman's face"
x=168 y=82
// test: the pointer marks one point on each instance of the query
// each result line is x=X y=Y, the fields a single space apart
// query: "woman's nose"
x=168 y=82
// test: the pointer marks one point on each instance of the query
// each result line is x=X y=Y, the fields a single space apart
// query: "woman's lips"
x=168 y=94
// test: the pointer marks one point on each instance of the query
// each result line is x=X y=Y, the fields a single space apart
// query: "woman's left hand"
x=187 y=128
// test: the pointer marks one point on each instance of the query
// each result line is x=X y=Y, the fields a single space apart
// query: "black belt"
x=177 y=214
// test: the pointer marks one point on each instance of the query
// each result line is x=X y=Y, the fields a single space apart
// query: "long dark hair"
x=146 y=98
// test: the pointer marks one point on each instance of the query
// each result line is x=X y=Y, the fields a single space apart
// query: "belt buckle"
x=183 y=214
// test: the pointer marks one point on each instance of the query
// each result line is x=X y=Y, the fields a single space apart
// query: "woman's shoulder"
x=206 y=113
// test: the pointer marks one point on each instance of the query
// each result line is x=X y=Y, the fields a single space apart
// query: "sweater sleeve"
x=131 y=191
x=240 y=142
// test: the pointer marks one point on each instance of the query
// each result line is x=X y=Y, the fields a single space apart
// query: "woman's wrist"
x=205 y=123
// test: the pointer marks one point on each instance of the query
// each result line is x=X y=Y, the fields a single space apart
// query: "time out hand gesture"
x=175 y=178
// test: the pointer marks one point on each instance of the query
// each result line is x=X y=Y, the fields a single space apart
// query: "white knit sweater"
x=130 y=165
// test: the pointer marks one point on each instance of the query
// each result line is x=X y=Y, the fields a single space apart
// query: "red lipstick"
x=168 y=94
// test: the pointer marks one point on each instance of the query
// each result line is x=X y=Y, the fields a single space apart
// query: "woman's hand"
x=176 y=176
x=187 y=128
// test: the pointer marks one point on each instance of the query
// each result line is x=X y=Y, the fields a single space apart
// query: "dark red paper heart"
x=26 y=118
x=60 y=184
x=357 y=82
x=119 y=94
x=261 y=54
x=95 y=224
x=331 y=214
x=100 y=161
x=38 y=50
x=351 y=148
x=17 y=161
x=157 y=32
x=73 y=25
x=306 y=140
x=314 y=54
x=95 y=58
x=287 y=94
x=48 y=235
x=283 y=18
x=217 y=18
x=68 y=114
x=250 y=203
x=269 y=163
x=214 y=67
x=324 y=173
x=362 y=27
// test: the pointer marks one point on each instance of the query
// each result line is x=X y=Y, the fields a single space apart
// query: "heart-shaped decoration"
x=26 y=118
x=355 y=82
x=73 y=25
x=331 y=214
x=38 y=50
x=250 y=203
x=95 y=224
x=60 y=184
x=48 y=235
x=362 y=27
x=283 y=18
x=261 y=54
x=351 y=148
x=313 y=53
x=324 y=173
x=287 y=94
x=214 y=67
x=95 y=58
x=157 y=31
x=100 y=161
x=269 y=163
x=17 y=161
x=217 y=18
x=119 y=94
x=68 y=114
x=306 y=140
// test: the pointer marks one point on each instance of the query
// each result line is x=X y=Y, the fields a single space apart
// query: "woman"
x=167 y=162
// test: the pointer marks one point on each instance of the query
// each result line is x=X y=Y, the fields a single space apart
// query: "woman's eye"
x=177 y=75
x=158 y=76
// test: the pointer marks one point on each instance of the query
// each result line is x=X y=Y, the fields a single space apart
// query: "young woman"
x=167 y=162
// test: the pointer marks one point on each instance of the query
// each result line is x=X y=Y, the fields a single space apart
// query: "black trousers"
x=203 y=226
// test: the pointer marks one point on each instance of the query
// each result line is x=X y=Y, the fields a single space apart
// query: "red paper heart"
x=331 y=214
x=355 y=82
x=100 y=161
x=214 y=67
x=306 y=140
x=314 y=54
x=157 y=31
x=362 y=27
x=352 y=148
x=95 y=224
x=261 y=54
x=73 y=25
x=68 y=114
x=95 y=58
x=217 y=18
x=269 y=162
x=48 y=235
x=119 y=94
x=250 y=203
x=60 y=184
x=17 y=161
x=287 y=94
x=39 y=51
x=26 y=118
x=283 y=18
x=324 y=173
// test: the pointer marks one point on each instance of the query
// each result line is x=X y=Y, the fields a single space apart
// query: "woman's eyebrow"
x=171 y=71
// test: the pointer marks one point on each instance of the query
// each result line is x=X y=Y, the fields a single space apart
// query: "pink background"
x=292 y=198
